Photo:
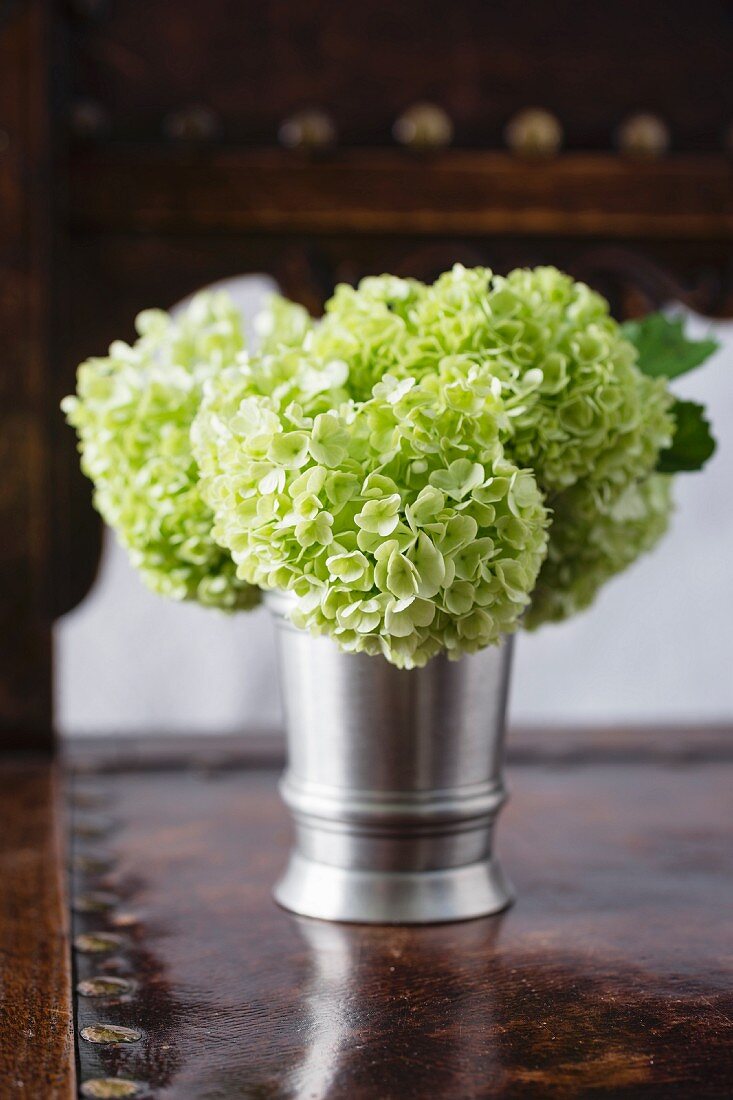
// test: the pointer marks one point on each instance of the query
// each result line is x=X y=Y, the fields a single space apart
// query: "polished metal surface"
x=394 y=781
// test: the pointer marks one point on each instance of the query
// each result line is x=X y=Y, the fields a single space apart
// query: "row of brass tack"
x=531 y=133
x=104 y=947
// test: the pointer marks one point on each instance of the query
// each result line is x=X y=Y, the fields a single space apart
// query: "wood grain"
x=610 y=977
x=142 y=189
x=36 y=1025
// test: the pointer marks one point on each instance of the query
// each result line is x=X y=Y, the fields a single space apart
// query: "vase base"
x=392 y=897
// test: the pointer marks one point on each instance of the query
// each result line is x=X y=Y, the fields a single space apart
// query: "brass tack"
x=309 y=130
x=643 y=136
x=97 y=943
x=102 y=985
x=534 y=133
x=424 y=126
x=110 y=1033
x=107 y=1088
x=96 y=901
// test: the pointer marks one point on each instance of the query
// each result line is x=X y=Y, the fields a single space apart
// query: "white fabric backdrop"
x=656 y=646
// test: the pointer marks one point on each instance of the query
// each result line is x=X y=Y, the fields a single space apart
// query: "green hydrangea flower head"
x=133 y=411
x=397 y=521
x=579 y=407
x=408 y=466
x=593 y=540
x=281 y=324
x=578 y=410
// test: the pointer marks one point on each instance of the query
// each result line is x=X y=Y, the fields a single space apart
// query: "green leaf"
x=693 y=442
x=664 y=350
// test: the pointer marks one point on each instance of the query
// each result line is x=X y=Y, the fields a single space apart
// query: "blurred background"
x=147 y=151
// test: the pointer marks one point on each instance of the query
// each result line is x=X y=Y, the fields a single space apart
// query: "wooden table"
x=612 y=975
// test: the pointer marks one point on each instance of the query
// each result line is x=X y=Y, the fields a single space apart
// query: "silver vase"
x=394 y=781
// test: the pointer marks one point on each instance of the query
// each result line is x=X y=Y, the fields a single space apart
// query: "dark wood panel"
x=255 y=63
x=25 y=658
x=611 y=976
x=381 y=191
x=37 y=1046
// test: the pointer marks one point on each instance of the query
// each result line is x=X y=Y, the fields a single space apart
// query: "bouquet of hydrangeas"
x=425 y=468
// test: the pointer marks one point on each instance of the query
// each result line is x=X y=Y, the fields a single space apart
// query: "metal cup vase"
x=394 y=781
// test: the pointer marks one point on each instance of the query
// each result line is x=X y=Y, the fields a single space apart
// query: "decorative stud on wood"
x=94 y=901
x=104 y=985
x=424 y=126
x=110 y=1033
x=310 y=130
x=107 y=1088
x=97 y=943
x=534 y=134
x=643 y=136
